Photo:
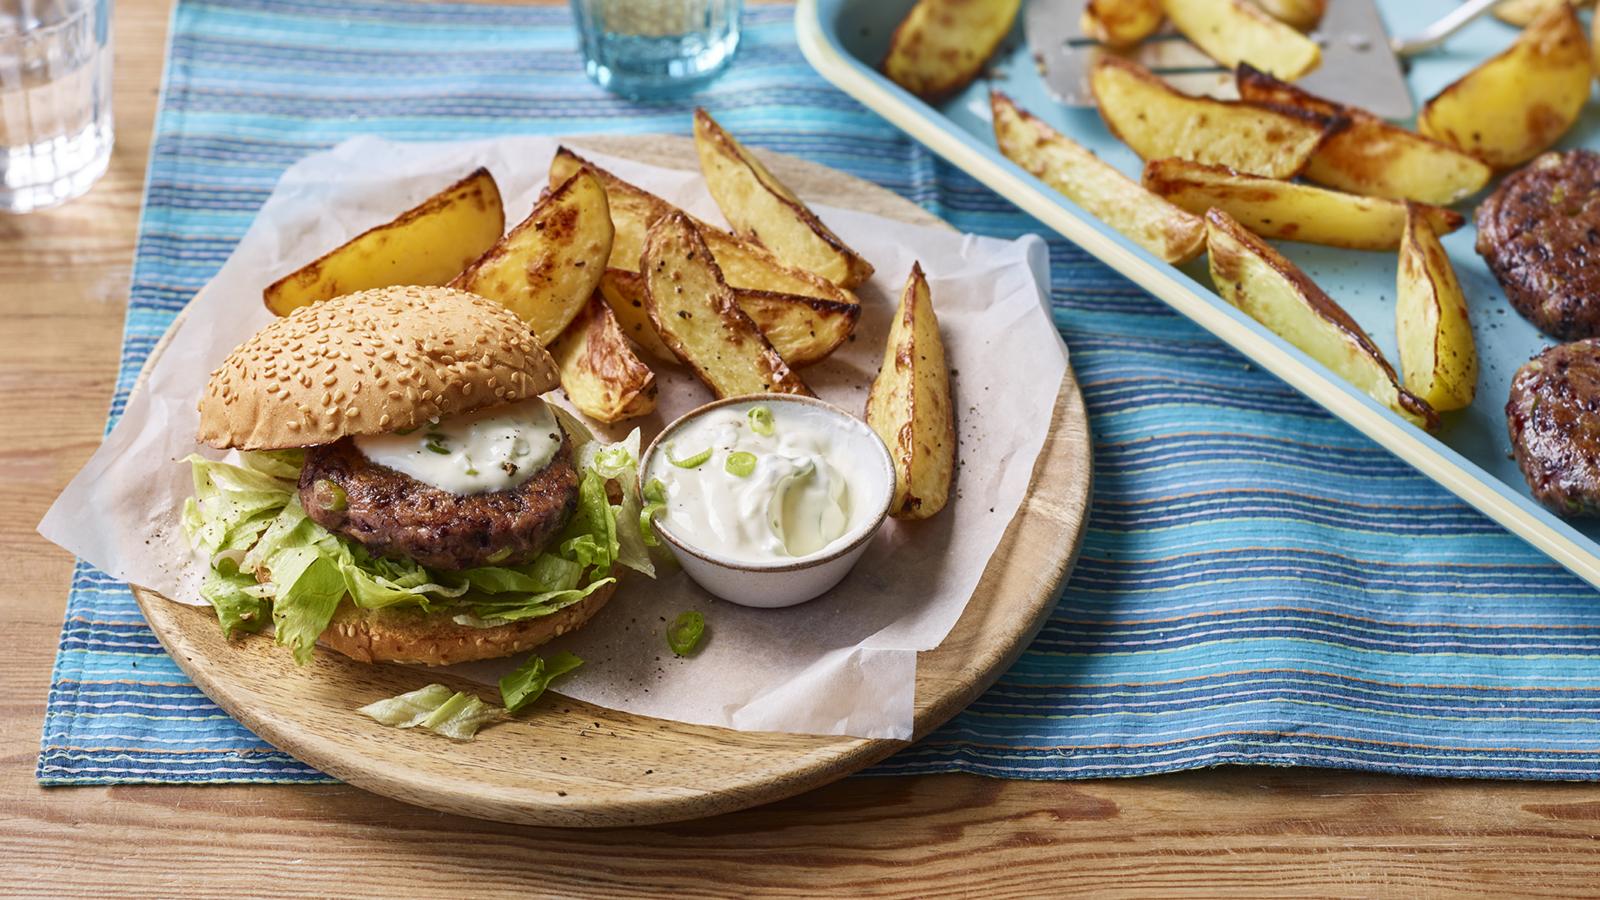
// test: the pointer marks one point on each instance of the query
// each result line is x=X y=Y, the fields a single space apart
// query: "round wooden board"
x=566 y=763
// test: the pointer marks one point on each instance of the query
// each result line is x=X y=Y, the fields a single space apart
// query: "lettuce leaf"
x=246 y=521
x=529 y=681
x=454 y=714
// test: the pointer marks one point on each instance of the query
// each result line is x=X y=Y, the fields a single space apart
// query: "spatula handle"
x=1435 y=34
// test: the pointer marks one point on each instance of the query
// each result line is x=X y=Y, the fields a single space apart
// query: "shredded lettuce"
x=267 y=557
x=454 y=714
x=529 y=681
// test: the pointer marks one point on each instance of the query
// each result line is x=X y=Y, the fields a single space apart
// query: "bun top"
x=370 y=363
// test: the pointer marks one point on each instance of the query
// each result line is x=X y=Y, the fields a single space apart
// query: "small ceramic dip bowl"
x=767 y=579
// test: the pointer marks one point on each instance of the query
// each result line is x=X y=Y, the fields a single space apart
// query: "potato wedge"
x=1170 y=233
x=599 y=372
x=1289 y=210
x=1302 y=15
x=1121 y=23
x=1158 y=122
x=743 y=264
x=1431 y=324
x=761 y=209
x=909 y=406
x=694 y=312
x=624 y=293
x=1237 y=31
x=425 y=245
x=803 y=330
x=1522 y=12
x=1252 y=276
x=941 y=45
x=546 y=268
x=1370 y=156
x=1518 y=103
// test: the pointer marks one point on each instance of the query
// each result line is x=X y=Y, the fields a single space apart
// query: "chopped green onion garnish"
x=740 y=463
x=329 y=496
x=695 y=461
x=684 y=634
x=761 y=420
x=435 y=443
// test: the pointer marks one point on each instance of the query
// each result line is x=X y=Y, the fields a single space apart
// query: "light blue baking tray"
x=845 y=39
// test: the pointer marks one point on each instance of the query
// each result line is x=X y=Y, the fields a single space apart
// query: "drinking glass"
x=55 y=100
x=647 y=49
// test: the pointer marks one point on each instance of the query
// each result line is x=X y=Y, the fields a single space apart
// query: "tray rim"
x=189 y=635
x=1428 y=455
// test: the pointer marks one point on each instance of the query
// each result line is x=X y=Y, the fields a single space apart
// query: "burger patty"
x=1554 y=420
x=1540 y=234
x=394 y=515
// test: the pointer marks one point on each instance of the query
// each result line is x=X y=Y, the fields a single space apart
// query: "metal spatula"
x=1360 y=64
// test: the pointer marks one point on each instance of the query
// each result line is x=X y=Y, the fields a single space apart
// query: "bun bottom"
x=408 y=635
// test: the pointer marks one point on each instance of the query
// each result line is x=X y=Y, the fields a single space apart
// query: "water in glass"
x=55 y=100
x=656 y=48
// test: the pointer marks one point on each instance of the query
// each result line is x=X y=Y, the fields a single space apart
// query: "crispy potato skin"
x=762 y=209
x=696 y=315
x=1121 y=23
x=426 y=245
x=599 y=372
x=1290 y=210
x=1516 y=104
x=1157 y=122
x=910 y=408
x=1521 y=13
x=1254 y=277
x=1367 y=155
x=1302 y=15
x=547 y=267
x=941 y=45
x=1237 y=31
x=1105 y=193
x=1432 y=326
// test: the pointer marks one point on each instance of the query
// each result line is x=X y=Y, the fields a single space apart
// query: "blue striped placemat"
x=1259 y=583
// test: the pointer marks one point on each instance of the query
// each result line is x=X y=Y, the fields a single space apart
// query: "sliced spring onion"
x=761 y=420
x=684 y=634
x=740 y=463
x=691 y=462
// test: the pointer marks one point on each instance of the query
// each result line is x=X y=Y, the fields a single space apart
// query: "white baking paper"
x=842 y=664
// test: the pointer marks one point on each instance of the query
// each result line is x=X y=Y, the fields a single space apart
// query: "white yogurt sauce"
x=786 y=494
x=493 y=449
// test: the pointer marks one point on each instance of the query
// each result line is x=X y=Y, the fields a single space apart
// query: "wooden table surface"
x=1242 y=832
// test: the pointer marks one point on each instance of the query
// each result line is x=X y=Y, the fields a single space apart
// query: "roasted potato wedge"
x=941 y=45
x=761 y=209
x=1522 y=12
x=1252 y=276
x=1121 y=23
x=599 y=372
x=803 y=330
x=1238 y=31
x=1105 y=193
x=1289 y=210
x=1518 y=103
x=624 y=293
x=1368 y=155
x=909 y=406
x=546 y=268
x=744 y=265
x=426 y=245
x=1437 y=352
x=694 y=312
x=1302 y=15
x=1158 y=122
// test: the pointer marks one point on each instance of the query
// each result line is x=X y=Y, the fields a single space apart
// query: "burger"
x=402 y=493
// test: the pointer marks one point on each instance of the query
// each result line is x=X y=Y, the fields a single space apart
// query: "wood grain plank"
x=1239 y=833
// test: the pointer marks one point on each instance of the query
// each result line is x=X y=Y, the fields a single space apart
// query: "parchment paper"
x=842 y=664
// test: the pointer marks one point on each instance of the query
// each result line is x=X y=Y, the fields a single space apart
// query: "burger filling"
x=291 y=534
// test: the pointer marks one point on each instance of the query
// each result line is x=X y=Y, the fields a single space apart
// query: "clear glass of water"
x=648 y=49
x=55 y=100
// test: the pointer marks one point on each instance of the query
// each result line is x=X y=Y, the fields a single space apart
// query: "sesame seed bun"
x=371 y=362
x=409 y=635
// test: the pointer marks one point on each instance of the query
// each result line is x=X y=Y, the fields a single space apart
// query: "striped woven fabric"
x=1259 y=584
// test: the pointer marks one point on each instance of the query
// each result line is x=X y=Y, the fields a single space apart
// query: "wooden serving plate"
x=567 y=763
